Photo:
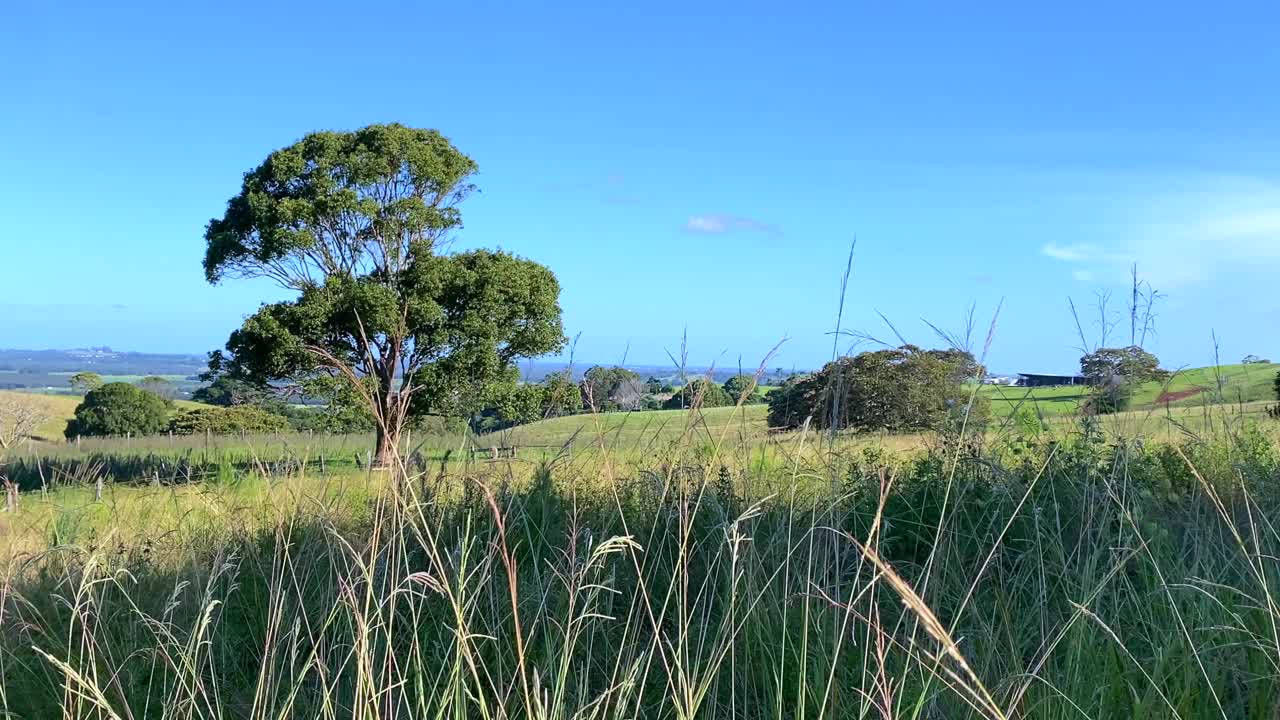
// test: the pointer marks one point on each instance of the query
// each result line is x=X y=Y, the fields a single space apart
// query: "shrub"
x=702 y=392
x=119 y=409
x=239 y=419
x=611 y=388
x=1114 y=372
x=897 y=389
x=742 y=384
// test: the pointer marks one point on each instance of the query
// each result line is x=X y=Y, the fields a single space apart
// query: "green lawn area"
x=61 y=408
x=639 y=428
x=1186 y=388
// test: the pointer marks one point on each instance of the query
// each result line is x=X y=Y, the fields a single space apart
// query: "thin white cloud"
x=717 y=223
x=1186 y=238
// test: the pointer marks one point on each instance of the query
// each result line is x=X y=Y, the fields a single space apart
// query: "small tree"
x=1113 y=373
x=85 y=381
x=19 y=418
x=226 y=392
x=700 y=392
x=743 y=387
x=118 y=409
x=606 y=389
x=897 y=389
x=560 y=395
x=158 y=385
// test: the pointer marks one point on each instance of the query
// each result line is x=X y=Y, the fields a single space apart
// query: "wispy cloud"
x=1073 y=253
x=1186 y=238
x=716 y=224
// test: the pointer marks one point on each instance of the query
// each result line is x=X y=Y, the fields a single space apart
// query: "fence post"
x=77 y=443
x=10 y=496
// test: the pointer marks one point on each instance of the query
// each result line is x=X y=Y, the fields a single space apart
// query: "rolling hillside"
x=1248 y=385
x=1187 y=388
x=61 y=408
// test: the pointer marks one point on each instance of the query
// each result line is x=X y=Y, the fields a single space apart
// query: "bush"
x=702 y=392
x=899 y=389
x=239 y=419
x=607 y=389
x=119 y=409
x=740 y=385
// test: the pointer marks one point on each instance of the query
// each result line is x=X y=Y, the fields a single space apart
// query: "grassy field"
x=1064 y=576
x=1198 y=386
x=62 y=408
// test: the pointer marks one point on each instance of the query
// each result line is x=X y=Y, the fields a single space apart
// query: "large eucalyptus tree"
x=356 y=223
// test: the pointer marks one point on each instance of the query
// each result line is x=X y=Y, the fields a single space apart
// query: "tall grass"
x=1045 y=578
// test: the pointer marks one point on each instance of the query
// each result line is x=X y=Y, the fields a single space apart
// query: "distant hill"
x=50 y=370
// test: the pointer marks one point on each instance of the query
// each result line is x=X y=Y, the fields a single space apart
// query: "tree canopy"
x=355 y=223
x=1113 y=373
x=896 y=389
x=119 y=408
x=700 y=392
x=743 y=387
x=228 y=391
x=85 y=381
x=1132 y=364
x=611 y=388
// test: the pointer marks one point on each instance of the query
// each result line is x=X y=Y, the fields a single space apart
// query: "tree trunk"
x=385 y=454
x=389 y=424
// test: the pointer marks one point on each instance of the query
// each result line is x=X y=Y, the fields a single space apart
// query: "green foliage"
x=699 y=392
x=795 y=400
x=158 y=385
x=1132 y=364
x=85 y=381
x=561 y=395
x=1114 y=373
x=555 y=396
x=238 y=419
x=1276 y=386
x=745 y=387
x=352 y=221
x=119 y=409
x=896 y=389
x=607 y=389
x=227 y=391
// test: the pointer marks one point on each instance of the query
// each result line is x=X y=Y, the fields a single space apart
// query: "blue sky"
x=679 y=167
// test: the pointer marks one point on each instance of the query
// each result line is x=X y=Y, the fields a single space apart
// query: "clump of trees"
x=1113 y=373
x=158 y=385
x=555 y=396
x=701 y=393
x=896 y=390
x=354 y=223
x=226 y=391
x=609 y=389
x=85 y=381
x=118 y=408
x=234 y=420
x=745 y=388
